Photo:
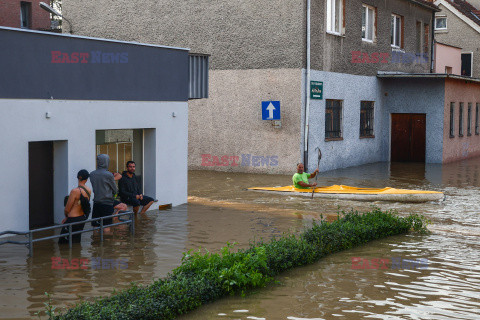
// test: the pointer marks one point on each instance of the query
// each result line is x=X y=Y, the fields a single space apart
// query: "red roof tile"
x=466 y=9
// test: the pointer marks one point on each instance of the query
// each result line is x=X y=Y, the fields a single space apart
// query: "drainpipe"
x=433 y=43
x=307 y=92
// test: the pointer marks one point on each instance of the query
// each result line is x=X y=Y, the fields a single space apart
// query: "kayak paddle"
x=318 y=165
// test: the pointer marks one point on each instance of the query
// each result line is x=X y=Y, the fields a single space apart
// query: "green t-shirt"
x=297 y=177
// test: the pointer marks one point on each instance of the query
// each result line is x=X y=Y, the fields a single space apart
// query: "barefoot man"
x=130 y=192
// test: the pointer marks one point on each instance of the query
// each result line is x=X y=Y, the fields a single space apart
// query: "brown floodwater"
x=220 y=210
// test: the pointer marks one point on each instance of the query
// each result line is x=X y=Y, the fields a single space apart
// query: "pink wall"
x=447 y=56
x=466 y=146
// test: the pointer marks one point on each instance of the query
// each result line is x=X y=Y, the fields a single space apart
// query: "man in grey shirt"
x=104 y=189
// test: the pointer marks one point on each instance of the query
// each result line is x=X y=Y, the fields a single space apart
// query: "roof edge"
x=387 y=74
x=91 y=38
x=431 y=6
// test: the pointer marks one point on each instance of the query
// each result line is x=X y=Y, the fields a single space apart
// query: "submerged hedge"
x=205 y=277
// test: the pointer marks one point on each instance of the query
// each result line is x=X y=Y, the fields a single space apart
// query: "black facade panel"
x=43 y=66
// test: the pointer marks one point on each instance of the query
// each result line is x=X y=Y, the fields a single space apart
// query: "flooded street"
x=220 y=210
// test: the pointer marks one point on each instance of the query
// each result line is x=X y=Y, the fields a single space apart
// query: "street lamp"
x=46 y=7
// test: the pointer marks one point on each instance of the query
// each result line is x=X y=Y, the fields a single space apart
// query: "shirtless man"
x=73 y=209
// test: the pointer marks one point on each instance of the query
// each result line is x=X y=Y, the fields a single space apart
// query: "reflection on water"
x=446 y=289
x=161 y=238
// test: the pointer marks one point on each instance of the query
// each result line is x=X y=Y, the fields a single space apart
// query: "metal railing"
x=29 y=243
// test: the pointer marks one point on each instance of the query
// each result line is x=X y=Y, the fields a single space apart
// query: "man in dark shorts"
x=130 y=192
x=104 y=189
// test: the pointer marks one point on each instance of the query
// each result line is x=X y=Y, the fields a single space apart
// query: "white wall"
x=72 y=125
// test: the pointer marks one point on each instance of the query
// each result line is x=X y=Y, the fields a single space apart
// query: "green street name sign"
x=316 y=90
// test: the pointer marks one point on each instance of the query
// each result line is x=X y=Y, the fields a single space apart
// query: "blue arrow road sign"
x=270 y=110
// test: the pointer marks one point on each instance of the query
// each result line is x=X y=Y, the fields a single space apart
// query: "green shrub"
x=205 y=277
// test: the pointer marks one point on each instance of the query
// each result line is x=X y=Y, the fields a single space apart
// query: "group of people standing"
x=104 y=189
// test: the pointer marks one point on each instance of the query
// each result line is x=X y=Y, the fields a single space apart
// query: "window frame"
x=471 y=62
x=25 y=14
x=419 y=38
x=331 y=17
x=331 y=135
x=369 y=118
x=469 y=119
x=374 y=23
x=426 y=38
x=438 y=18
x=393 y=36
x=460 y=119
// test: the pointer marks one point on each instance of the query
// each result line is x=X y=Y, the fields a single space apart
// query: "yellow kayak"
x=363 y=194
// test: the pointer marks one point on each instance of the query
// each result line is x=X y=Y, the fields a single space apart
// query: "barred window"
x=469 y=119
x=333 y=119
x=452 y=119
x=198 y=76
x=366 y=118
x=460 y=120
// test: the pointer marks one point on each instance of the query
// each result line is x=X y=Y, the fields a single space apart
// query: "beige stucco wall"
x=447 y=56
x=229 y=123
x=237 y=34
x=468 y=146
x=460 y=34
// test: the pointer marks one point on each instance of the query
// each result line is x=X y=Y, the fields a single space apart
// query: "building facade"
x=458 y=24
x=24 y=14
x=258 y=52
x=64 y=97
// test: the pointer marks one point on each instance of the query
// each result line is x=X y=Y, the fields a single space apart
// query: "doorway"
x=40 y=184
x=121 y=146
x=467 y=64
x=408 y=137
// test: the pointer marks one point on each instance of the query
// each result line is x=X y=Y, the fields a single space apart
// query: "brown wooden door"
x=40 y=187
x=408 y=137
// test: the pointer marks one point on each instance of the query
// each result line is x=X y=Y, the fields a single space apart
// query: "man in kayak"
x=300 y=179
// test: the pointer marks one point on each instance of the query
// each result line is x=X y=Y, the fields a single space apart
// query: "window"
x=397 y=32
x=366 y=119
x=333 y=119
x=335 y=16
x=368 y=23
x=476 y=119
x=25 y=15
x=440 y=23
x=452 y=119
x=426 y=36
x=460 y=119
x=419 y=36
x=198 y=76
x=469 y=119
